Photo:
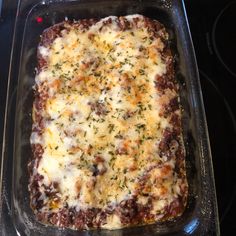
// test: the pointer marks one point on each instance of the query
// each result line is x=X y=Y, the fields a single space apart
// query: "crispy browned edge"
x=130 y=212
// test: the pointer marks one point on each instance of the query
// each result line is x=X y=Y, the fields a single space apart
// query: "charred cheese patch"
x=102 y=122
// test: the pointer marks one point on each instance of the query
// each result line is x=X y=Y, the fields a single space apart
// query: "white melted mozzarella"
x=102 y=103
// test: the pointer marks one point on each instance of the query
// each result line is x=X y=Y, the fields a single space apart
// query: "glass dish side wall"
x=201 y=214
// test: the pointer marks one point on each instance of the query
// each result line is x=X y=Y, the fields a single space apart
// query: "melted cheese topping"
x=103 y=124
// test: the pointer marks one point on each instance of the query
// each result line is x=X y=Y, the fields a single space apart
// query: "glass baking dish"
x=33 y=16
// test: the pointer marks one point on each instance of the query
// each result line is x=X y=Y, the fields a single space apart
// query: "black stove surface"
x=212 y=24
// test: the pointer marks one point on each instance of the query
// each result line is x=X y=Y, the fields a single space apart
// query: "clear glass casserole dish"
x=200 y=216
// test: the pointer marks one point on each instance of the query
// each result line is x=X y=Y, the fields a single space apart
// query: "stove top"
x=214 y=37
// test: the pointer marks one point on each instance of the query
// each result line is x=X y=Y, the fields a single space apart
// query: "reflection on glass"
x=190 y=227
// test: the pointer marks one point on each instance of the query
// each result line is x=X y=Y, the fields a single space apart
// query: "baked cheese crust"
x=107 y=140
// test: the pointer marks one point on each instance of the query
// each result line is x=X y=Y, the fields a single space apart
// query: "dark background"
x=218 y=88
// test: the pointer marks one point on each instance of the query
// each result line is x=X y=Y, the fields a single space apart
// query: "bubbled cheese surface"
x=103 y=105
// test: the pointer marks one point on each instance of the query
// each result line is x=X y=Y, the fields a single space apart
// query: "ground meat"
x=169 y=144
x=83 y=218
x=162 y=83
x=174 y=208
x=124 y=24
x=171 y=107
x=175 y=120
x=37 y=155
x=36 y=200
x=99 y=108
x=62 y=219
x=128 y=211
x=98 y=169
x=50 y=34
